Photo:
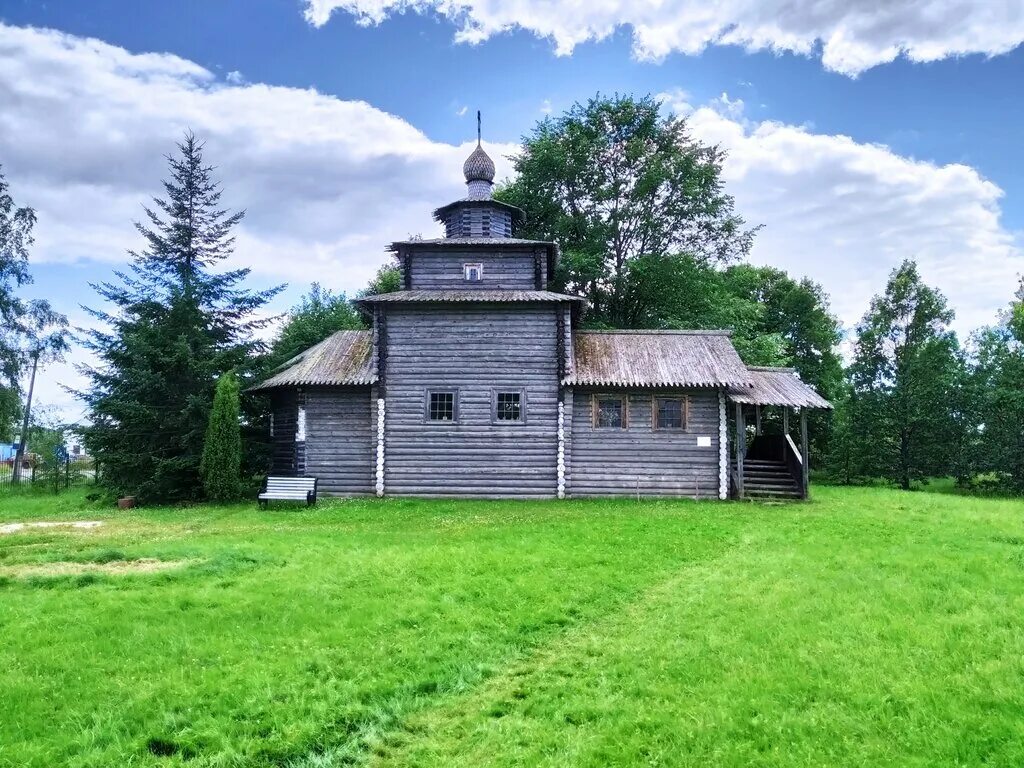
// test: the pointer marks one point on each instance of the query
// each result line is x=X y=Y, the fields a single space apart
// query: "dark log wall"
x=502 y=270
x=340 y=446
x=474 y=349
x=618 y=462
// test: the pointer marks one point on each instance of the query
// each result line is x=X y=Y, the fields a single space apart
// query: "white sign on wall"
x=703 y=441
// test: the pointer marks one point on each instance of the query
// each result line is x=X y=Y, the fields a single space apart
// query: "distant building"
x=476 y=380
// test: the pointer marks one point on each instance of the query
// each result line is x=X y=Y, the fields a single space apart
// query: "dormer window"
x=473 y=272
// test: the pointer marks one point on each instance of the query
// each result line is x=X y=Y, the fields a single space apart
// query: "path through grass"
x=869 y=627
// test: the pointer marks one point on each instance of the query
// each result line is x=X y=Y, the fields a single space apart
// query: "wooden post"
x=804 y=451
x=785 y=420
x=757 y=420
x=741 y=447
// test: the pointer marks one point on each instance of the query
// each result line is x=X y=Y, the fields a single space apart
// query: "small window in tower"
x=473 y=272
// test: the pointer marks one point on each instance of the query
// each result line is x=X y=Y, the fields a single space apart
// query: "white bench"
x=288 y=489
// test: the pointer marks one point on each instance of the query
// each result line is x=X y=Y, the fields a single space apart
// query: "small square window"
x=670 y=413
x=441 y=406
x=508 y=406
x=473 y=272
x=610 y=413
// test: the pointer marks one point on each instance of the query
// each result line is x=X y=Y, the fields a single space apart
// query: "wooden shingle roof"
x=656 y=359
x=345 y=358
x=778 y=386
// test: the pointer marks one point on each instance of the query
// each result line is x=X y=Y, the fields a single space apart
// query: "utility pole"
x=20 y=454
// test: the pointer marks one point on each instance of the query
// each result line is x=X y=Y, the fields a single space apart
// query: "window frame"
x=429 y=392
x=478 y=266
x=595 y=411
x=495 y=391
x=684 y=410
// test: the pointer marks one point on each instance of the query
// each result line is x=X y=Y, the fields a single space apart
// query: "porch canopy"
x=777 y=386
x=772 y=462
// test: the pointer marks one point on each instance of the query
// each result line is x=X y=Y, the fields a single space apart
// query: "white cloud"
x=461 y=111
x=731 y=108
x=545 y=107
x=235 y=77
x=846 y=213
x=851 y=36
x=328 y=183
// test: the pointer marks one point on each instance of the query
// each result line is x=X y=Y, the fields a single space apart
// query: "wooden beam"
x=785 y=419
x=757 y=420
x=741 y=447
x=804 y=451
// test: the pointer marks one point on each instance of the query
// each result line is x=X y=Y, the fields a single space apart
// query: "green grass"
x=868 y=627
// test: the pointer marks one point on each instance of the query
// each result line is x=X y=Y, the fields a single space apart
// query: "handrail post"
x=804 y=452
x=741 y=447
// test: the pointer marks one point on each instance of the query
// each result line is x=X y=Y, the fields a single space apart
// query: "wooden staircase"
x=768 y=479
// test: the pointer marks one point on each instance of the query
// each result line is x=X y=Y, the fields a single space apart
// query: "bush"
x=221 y=464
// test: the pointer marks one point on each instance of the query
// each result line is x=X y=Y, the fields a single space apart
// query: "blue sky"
x=338 y=136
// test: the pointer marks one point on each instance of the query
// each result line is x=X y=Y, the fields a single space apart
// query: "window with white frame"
x=473 y=273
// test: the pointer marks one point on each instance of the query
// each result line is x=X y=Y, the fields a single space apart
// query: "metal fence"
x=56 y=475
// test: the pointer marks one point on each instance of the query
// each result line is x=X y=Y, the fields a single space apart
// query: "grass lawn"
x=868 y=627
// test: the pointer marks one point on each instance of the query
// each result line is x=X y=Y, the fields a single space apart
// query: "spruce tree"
x=174 y=327
x=222 y=449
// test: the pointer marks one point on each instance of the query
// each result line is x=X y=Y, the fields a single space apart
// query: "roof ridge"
x=772 y=368
x=663 y=331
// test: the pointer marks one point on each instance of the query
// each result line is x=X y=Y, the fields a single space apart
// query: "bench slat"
x=279 y=488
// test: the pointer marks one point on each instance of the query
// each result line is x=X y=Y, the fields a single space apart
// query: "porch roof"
x=777 y=386
x=344 y=358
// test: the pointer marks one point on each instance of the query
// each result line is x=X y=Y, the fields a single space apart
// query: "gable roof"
x=778 y=386
x=656 y=359
x=340 y=359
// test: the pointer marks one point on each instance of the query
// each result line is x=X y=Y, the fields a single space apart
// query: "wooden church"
x=477 y=381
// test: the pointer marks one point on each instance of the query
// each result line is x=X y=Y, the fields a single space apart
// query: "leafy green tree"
x=45 y=339
x=905 y=379
x=221 y=464
x=387 y=280
x=19 y=319
x=176 y=326
x=319 y=314
x=997 y=382
x=617 y=184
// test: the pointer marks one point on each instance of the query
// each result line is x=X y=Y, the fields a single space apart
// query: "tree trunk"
x=904 y=460
x=20 y=455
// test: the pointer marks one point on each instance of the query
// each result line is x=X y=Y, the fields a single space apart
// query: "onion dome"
x=478 y=166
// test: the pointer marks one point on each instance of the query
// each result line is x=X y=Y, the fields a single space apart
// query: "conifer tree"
x=222 y=449
x=174 y=327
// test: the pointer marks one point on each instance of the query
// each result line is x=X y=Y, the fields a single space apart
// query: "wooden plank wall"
x=511 y=270
x=618 y=462
x=474 y=349
x=284 y=407
x=340 y=441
